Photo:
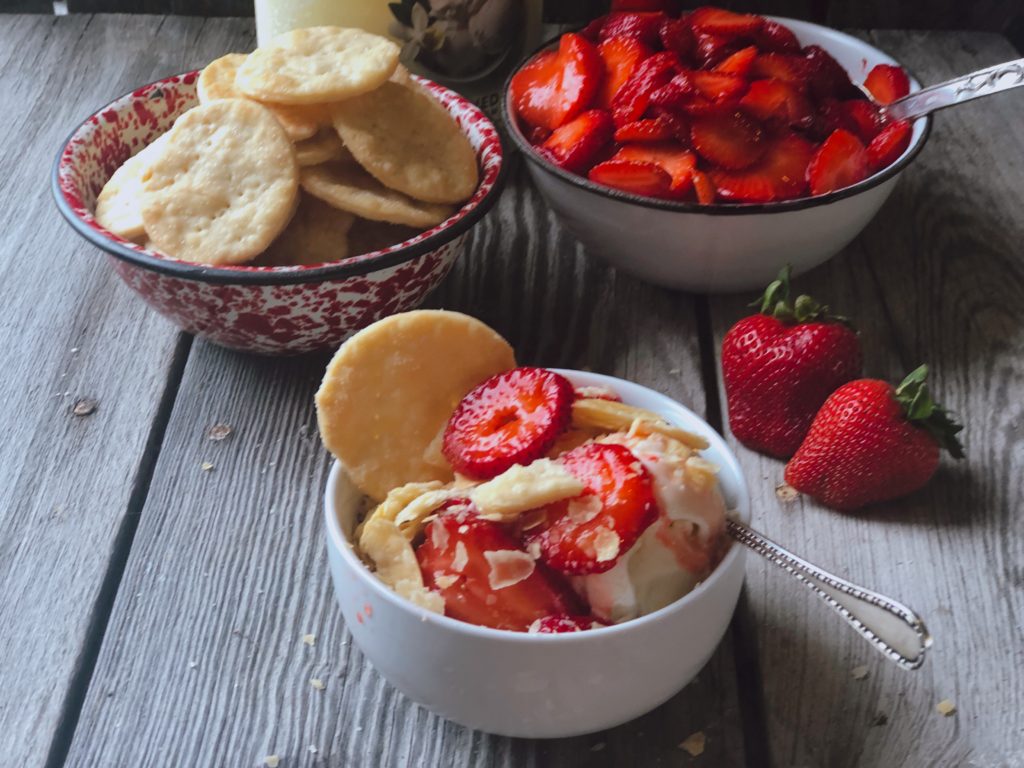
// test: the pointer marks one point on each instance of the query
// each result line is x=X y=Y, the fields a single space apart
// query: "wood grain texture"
x=229 y=570
x=162 y=7
x=938 y=277
x=69 y=485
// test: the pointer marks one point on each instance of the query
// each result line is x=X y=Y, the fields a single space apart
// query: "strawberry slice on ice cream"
x=484 y=575
x=587 y=534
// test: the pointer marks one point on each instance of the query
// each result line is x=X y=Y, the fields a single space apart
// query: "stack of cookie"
x=311 y=149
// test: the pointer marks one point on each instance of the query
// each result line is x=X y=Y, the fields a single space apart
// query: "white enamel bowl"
x=722 y=248
x=539 y=686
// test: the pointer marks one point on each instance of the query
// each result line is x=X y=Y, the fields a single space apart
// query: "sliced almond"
x=519 y=489
x=606 y=545
x=595 y=413
x=508 y=567
x=395 y=563
x=411 y=519
x=700 y=473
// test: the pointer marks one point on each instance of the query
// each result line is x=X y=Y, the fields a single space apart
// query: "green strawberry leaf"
x=922 y=411
x=775 y=302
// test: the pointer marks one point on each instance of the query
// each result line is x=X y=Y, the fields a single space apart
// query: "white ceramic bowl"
x=722 y=248
x=539 y=686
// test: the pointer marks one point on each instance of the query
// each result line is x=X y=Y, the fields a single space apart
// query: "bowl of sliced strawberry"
x=526 y=551
x=704 y=151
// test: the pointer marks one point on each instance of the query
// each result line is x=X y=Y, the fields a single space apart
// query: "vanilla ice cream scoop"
x=678 y=549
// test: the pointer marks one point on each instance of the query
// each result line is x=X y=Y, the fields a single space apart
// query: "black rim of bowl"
x=713 y=209
x=281 y=276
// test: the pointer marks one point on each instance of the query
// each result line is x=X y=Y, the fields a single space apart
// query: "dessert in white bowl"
x=537 y=684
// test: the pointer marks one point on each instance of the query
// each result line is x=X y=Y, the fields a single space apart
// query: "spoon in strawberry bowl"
x=884 y=82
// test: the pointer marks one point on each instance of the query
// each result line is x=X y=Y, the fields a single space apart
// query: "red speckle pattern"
x=268 y=319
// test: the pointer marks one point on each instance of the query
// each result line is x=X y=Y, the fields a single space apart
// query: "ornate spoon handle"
x=890 y=626
x=984 y=82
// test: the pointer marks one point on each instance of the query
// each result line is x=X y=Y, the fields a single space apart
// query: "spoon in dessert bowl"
x=891 y=627
x=958 y=90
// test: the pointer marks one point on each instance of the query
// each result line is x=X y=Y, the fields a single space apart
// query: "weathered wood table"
x=152 y=613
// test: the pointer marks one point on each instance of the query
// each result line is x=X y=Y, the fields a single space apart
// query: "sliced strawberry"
x=512 y=418
x=889 y=145
x=711 y=49
x=704 y=188
x=485 y=577
x=862 y=117
x=676 y=94
x=640 y=26
x=778 y=175
x=887 y=83
x=576 y=145
x=675 y=160
x=718 y=21
x=719 y=87
x=588 y=534
x=554 y=87
x=780 y=66
x=551 y=625
x=621 y=56
x=730 y=141
x=773 y=37
x=645 y=179
x=839 y=162
x=679 y=122
x=777 y=103
x=701 y=93
x=738 y=63
x=827 y=77
x=632 y=99
x=676 y=36
x=649 y=129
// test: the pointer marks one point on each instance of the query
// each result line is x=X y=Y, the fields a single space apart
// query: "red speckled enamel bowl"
x=269 y=310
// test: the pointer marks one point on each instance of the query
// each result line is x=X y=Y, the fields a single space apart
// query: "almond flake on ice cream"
x=401 y=497
x=701 y=474
x=533 y=549
x=522 y=488
x=445 y=580
x=606 y=545
x=439 y=537
x=410 y=520
x=507 y=567
x=619 y=417
x=461 y=557
x=395 y=563
x=584 y=509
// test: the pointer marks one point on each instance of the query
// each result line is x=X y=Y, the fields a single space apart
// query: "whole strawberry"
x=780 y=365
x=872 y=442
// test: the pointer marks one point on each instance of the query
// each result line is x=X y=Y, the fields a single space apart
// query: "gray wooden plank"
x=69 y=486
x=169 y=7
x=937 y=277
x=228 y=570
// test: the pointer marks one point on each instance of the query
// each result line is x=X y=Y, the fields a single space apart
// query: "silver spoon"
x=891 y=627
x=984 y=82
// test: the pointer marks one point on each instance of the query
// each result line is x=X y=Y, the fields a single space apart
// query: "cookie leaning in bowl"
x=207 y=203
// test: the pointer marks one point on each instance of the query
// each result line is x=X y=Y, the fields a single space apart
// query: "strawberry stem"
x=921 y=410
x=775 y=302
